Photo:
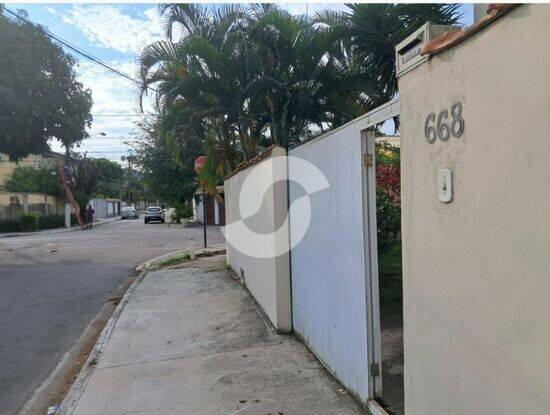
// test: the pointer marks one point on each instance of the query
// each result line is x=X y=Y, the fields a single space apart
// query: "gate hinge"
x=374 y=369
x=367 y=159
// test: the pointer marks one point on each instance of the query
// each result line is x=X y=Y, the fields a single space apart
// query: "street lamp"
x=101 y=133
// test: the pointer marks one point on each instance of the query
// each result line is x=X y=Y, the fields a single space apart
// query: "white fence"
x=329 y=305
x=268 y=277
x=328 y=265
x=333 y=300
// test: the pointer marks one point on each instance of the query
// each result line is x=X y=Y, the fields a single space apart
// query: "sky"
x=116 y=34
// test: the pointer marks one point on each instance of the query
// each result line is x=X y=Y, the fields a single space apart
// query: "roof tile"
x=451 y=39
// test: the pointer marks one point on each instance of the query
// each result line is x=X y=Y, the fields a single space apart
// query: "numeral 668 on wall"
x=444 y=126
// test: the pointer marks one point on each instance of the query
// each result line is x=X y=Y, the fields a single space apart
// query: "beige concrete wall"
x=477 y=270
x=33 y=160
x=268 y=279
x=36 y=203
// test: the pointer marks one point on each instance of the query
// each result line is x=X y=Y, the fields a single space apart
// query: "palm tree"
x=374 y=30
x=303 y=78
x=242 y=77
x=254 y=74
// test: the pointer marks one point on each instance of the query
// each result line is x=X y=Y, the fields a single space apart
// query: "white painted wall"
x=104 y=208
x=268 y=279
x=477 y=270
x=328 y=265
x=199 y=210
x=216 y=212
x=195 y=210
x=100 y=207
x=110 y=208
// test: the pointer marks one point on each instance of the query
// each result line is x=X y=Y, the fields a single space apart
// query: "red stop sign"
x=199 y=163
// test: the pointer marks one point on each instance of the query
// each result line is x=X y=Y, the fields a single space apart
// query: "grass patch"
x=178 y=259
x=390 y=272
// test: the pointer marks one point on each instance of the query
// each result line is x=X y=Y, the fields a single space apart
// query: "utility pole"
x=64 y=181
x=199 y=163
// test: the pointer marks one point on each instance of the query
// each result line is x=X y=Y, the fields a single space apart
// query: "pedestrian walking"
x=90 y=212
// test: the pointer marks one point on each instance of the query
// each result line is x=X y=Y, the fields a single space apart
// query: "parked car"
x=129 y=213
x=154 y=213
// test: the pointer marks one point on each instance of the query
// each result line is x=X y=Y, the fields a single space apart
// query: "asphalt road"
x=53 y=285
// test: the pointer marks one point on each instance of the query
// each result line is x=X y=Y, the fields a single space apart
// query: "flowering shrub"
x=388 y=197
x=388 y=180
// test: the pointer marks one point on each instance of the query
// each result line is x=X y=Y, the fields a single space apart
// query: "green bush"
x=388 y=218
x=33 y=222
x=183 y=211
x=10 y=225
x=28 y=222
x=27 y=179
x=51 y=221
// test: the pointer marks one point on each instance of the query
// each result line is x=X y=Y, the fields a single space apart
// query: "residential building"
x=34 y=160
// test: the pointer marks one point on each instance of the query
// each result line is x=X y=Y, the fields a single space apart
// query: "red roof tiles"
x=451 y=39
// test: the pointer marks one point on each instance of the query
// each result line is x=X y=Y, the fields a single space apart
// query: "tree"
x=28 y=179
x=243 y=77
x=198 y=78
x=84 y=177
x=41 y=96
x=166 y=174
x=110 y=180
x=133 y=190
x=374 y=30
x=304 y=77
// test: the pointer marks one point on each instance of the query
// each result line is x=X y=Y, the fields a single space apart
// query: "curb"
x=69 y=403
x=211 y=250
x=51 y=231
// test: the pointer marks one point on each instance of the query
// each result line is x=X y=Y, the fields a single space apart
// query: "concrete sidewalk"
x=191 y=341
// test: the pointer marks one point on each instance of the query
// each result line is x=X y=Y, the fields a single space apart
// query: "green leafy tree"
x=84 y=178
x=28 y=179
x=243 y=77
x=304 y=77
x=374 y=30
x=111 y=179
x=134 y=190
x=41 y=98
x=167 y=174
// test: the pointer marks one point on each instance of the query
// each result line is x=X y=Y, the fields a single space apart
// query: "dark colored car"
x=154 y=213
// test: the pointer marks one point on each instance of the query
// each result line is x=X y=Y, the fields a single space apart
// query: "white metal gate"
x=331 y=286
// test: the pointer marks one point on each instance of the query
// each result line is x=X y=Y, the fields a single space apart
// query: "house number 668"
x=441 y=129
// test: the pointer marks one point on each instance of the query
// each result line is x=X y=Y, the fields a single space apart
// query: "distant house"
x=12 y=205
x=106 y=208
x=33 y=160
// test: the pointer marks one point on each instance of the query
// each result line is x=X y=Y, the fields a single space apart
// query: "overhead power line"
x=111 y=137
x=78 y=50
x=105 y=151
x=122 y=115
